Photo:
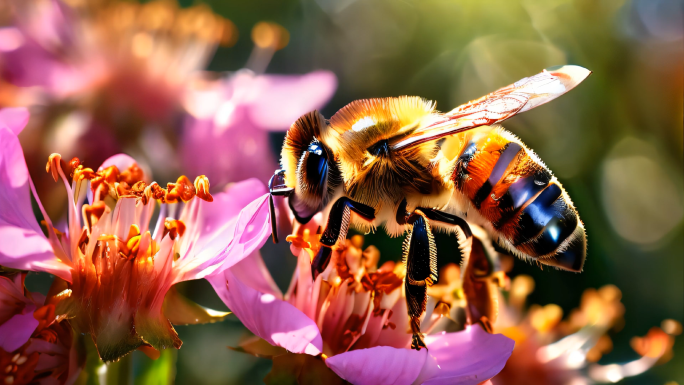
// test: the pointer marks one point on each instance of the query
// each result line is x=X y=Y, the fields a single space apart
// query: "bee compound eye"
x=315 y=170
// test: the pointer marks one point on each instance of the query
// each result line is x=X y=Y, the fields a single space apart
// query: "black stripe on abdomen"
x=521 y=191
x=545 y=223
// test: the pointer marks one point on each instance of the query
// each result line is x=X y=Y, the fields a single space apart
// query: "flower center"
x=121 y=265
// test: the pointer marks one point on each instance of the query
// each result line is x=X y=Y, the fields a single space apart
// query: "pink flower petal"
x=221 y=247
x=227 y=204
x=378 y=365
x=14 y=118
x=285 y=98
x=468 y=357
x=18 y=329
x=227 y=151
x=22 y=243
x=259 y=277
x=224 y=136
x=121 y=161
x=29 y=64
x=11 y=38
x=274 y=320
x=398 y=337
x=12 y=299
x=14 y=183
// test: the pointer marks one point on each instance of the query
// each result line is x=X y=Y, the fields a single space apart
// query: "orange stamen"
x=53 y=165
x=174 y=227
x=181 y=190
x=202 y=188
x=132 y=175
x=73 y=165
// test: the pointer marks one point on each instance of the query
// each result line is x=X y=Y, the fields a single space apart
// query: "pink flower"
x=34 y=346
x=103 y=77
x=118 y=265
x=122 y=49
x=226 y=130
x=354 y=316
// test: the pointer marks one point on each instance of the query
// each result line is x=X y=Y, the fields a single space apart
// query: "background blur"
x=615 y=142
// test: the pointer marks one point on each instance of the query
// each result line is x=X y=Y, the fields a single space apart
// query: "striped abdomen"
x=520 y=199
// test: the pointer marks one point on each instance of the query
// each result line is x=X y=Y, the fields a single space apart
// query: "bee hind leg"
x=337 y=228
x=420 y=259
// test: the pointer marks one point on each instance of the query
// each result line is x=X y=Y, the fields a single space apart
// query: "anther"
x=157 y=192
x=138 y=190
x=133 y=246
x=73 y=165
x=132 y=174
x=147 y=194
x=133 y=231
x=53 y=165
x=202 y=188
x=21 y=360
x=81 y=173
x=182 y=190
x=175 y=228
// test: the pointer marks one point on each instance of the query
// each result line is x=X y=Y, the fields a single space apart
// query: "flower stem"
x=97 y=372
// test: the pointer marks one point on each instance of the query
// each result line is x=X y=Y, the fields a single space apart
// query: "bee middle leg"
x=337 y=228
x=420 y=259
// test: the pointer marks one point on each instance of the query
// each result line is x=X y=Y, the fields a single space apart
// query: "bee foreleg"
x=420 y=259
x=337 y=228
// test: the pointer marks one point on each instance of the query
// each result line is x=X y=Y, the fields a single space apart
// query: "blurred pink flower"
x=226 y=131
x=142 y=54
x=42 y=49
x=354 y=316
x=34 y=346
x=100 y=76
x=118 y=268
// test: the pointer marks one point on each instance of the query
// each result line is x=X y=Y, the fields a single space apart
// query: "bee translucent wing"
x=501 y=104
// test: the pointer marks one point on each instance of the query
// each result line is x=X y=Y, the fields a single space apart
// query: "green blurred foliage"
x=155 y=372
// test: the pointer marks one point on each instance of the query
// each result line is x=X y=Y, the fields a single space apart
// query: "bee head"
x=309 y=165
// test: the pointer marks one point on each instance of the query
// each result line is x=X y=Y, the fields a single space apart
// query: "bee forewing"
x=549 y=84
x=501 y=104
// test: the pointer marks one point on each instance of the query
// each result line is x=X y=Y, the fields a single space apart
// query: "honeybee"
x=400 y=163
